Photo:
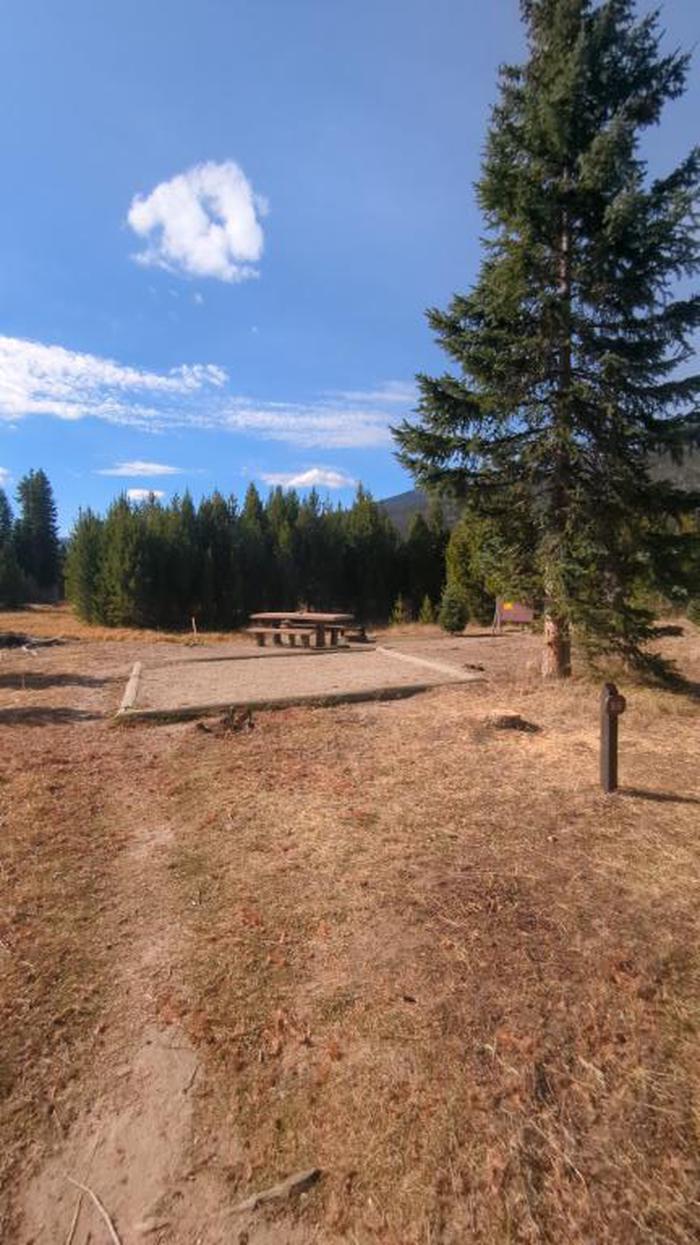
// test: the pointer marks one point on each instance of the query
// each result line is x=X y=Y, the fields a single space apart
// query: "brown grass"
x=54 y=977
x=60 y=621
x=421 y=953
x=448 y=970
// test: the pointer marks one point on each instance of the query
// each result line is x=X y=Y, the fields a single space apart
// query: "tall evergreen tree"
x=464 y=571
x=11 y=579
x=6 y=521
x=37 y=543
x=255 y=552
x=121 y=586
x=371 y=569
x=423 y=570
x=83 y=566
x=570 y=342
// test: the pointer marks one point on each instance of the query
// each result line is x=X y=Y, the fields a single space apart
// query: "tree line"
x=150 y=564
x=161 y=565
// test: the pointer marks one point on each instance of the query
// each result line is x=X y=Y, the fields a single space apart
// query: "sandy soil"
x=388 y=940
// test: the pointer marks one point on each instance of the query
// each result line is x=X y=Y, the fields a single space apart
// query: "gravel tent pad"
x=191 y=687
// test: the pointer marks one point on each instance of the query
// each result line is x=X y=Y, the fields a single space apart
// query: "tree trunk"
x=556 y=658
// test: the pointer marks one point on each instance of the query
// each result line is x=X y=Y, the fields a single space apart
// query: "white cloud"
x=205 y=222
x=315 y=477
x=5 y=477
x=49 y=380
x=403 y=393
x=143 y=494
x=137 y=467
x=317 y=425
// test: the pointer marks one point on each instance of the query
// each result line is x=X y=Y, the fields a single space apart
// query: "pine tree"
x=256 y=553
x=83 y=566
x=220 y=588
x=424 y=562
x=427 y=611
x=37 y=543
x=464 y=571
x=400 y=613
x=570 y=342
x=6 y=521
x=454 y=612
x=11 y=579
x=121 y=586
x=371 y=562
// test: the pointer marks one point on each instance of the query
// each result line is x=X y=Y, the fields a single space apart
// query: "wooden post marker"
x=612 y=704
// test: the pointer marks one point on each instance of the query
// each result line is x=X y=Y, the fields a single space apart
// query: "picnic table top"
x=300 y=616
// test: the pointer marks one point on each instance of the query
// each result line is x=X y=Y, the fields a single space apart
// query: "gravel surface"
x=247 y=679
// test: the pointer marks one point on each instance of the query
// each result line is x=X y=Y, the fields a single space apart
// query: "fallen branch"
x=79 y=1201
x=91 y=1194
x=18 y=639
x=298 y=1183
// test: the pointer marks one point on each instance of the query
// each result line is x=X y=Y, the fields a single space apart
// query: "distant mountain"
x=402 y=507
x=685 y=474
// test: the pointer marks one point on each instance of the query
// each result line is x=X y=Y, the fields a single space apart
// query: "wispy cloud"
x=48 y=380
x=37 y=379
x=315 y=425
x=143 y=494
x=399 y=392
x=138 y=467
x=315 y=477
x=5 y=476
x=205 y=222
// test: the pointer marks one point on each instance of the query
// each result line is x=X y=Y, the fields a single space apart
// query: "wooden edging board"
x=274 y=650
x=443 y=666
x=131 y=690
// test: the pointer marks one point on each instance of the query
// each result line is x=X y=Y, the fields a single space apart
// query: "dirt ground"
x=389 y=941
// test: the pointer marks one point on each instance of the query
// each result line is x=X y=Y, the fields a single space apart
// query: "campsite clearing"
x=385 y=940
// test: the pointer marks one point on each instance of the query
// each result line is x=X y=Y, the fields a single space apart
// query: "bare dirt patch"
x=391 y=941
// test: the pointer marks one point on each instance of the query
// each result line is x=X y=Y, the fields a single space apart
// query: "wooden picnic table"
x=299 y=623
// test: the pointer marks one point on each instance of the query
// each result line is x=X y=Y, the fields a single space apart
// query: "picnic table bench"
x=302 y=625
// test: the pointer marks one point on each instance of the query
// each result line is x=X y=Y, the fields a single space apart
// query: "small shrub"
x=454 y=612
x=427 y=611
x=693 y=610
x=400 y=613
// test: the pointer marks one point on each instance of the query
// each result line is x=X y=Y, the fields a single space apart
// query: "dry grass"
x=54 y=945
x=424 y=954
x=60 y=621
x=446 y=969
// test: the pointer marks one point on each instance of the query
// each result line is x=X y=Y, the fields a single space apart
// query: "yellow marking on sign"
x=507 y=605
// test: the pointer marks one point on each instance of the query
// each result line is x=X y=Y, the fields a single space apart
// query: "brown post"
x=612 y=705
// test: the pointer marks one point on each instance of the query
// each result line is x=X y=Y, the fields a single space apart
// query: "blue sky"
x=336 y=145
